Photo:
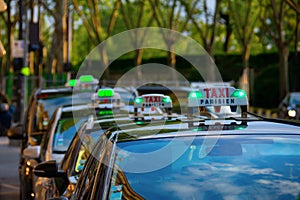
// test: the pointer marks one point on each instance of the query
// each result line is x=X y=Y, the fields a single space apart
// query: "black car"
x=41 y=106
x=289 y=108
x=68 y=171
x=242 y=158
x=236 y=157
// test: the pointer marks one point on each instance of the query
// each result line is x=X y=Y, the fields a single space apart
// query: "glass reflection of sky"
x=263 y=168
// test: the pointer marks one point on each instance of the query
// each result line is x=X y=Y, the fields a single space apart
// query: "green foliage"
x=82 y=45
x=264 y=80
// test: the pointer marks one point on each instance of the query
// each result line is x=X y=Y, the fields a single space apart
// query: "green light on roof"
x=239 y=93
x=196 y=94
x=72 y=82
x=105 y=112
x=138 y=100
x=86 y=78
x=105 y=93
x=167 y=100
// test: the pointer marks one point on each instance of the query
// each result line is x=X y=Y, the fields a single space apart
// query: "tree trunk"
x=172 y=62
x=138 y=61
x=245 y=77
x=283 y=70
x=59 y=33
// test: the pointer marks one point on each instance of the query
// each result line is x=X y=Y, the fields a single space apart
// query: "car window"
x=64 y=133
x=243 y=167
x=87 y=144
x=88 y=175
x=295 y=100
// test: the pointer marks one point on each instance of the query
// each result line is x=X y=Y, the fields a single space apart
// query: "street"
x=9 y=178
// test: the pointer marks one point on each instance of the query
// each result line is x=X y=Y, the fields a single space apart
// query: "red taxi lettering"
x=153 y=99
x=216 y=92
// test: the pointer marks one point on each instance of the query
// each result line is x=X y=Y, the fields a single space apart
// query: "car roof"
x=177 y=128
x=53 y=90
x=295 y=93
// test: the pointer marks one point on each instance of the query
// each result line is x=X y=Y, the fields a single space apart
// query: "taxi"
x=63 y=126
x=41 y=106
x=237 y=157
x=66 y=172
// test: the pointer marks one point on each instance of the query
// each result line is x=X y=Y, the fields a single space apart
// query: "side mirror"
x=47 y=169
x=32 y=152
x=16 y=132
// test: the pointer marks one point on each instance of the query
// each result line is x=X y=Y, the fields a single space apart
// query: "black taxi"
x=237 y=156
x=41 y=106
x=66 y=172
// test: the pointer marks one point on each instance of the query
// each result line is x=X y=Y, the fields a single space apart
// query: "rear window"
x=45 y=107
x=230 y=167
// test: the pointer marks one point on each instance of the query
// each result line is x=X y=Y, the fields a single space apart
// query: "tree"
x=57 y=10
x=296 y=7
x=9 y=21
x=244 y=18
x=204 y=21
x=279 y=23
x=169 y=14
x=134 y=15
x=93 y=15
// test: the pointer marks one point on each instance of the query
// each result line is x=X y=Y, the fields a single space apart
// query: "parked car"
x=289 y=108
x=62 y=128
x=41 y=106
x=67 y=172
x=245 y=157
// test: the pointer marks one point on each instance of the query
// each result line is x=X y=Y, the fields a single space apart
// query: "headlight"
x=292 y=113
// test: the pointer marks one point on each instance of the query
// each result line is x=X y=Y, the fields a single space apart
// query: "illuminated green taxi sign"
x=105 y=112
x=86 y=79
x=218 y=96
x=105 y=93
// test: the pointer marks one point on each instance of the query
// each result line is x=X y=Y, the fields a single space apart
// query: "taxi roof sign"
x=86 y=78
x=153 y=100
x=83 y=82
x=218 y=96
x=105 y=93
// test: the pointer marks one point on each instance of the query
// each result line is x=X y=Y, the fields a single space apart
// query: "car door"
x=88 y=175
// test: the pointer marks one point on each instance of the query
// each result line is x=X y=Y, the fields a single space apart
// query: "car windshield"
x=47 y=105
x=224 y=167
x=50 y=104
x=64 y=133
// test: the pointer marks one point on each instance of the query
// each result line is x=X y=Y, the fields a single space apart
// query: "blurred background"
x=255 y=44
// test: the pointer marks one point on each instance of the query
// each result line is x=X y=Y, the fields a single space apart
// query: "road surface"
x=9 y=178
